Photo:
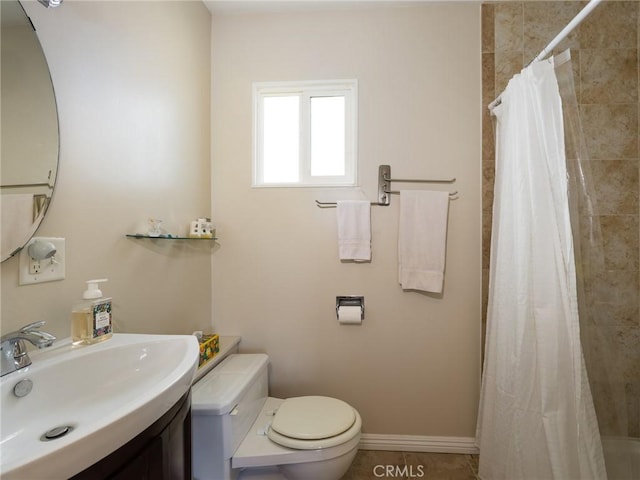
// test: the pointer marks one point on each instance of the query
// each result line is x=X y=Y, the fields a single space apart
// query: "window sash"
x=305 y=92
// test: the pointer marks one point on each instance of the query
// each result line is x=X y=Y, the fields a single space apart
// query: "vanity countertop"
x=228 y=345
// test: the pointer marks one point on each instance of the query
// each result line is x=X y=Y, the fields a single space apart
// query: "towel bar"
x=396 y=192
x=334 y=204
x=384 y=181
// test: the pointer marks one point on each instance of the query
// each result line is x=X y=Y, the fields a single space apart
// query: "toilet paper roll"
x=349 y=315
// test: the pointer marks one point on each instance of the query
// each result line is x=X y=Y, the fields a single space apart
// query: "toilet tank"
x=224 y=405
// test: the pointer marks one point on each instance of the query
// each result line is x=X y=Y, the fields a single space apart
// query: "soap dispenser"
x=91 y=318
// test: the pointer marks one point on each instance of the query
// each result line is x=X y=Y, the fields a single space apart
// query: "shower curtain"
x=536 y=417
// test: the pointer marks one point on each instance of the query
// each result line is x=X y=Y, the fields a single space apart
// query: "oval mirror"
x=29 y=135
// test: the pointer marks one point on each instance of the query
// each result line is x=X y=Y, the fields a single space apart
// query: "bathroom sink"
x=106 y=393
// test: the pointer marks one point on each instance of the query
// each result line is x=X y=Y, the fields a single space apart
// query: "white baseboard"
x=418 y=443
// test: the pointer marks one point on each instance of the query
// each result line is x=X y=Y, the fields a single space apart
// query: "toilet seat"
x=313 y=422
x=313 y=417
x=258 y=450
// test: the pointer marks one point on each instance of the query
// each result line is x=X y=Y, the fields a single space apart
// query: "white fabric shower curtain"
x=536 y=419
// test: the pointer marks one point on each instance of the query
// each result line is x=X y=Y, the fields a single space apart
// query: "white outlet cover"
x=52 y=269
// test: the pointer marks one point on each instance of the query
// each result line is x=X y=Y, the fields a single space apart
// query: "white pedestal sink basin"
x=106 y=393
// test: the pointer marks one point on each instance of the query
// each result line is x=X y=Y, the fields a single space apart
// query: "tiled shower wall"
x=605 y=53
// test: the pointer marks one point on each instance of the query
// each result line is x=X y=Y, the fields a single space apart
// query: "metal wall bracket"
x=384 y=172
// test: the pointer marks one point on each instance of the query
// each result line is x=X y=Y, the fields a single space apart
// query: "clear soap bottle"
x=91 y=318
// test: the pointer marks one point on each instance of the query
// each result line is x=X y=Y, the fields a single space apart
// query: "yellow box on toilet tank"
x=209 y=348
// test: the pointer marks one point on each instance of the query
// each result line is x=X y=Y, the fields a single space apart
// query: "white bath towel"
x=422 y=238
x=354 y=230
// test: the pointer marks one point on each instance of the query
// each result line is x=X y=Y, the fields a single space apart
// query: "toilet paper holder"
x=350 y=301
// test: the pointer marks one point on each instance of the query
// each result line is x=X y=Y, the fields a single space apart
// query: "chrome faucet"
x=13 y=350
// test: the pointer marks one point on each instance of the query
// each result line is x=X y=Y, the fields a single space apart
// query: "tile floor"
x=373 y=464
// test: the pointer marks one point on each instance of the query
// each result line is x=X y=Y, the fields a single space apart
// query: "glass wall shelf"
x=166 y=237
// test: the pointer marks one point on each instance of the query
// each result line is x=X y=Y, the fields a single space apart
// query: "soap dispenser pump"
x=91 y=318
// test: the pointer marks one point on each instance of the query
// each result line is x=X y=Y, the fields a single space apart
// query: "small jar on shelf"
x=201 y=228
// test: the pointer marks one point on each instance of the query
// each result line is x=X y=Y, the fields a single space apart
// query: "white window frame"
x=306 y=90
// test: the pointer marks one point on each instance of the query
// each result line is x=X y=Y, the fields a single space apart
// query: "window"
x=305 y=133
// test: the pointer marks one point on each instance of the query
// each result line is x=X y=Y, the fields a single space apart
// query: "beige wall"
x=413 y=366
x=132 y=83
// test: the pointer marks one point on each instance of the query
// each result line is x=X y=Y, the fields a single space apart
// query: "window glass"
x=281 y=135
x=305 y=133
x=327 y=136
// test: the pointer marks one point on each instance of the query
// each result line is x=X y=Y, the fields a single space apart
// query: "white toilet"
x=239 y=432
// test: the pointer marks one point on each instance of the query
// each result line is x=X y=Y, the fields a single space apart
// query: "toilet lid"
x=313 y=418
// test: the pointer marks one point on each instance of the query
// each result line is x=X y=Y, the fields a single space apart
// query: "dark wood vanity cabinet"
x=161 y=452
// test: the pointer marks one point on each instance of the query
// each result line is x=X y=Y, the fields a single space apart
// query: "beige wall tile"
x=632 y=390
x=620 y=235
x=509 y=33
x=609 y=75
x=543 y=21
x=610 y=403
x=611 y=131
x=485 y=292
x=486 y=240
x=488 y=176
x=616 y=287
x=488 y=76
x=488 y=95
x=610 y=25
x=508 y=63
x=626 y=341
x=616 y=186
x=488 y=28
x=613 y=314
x=488 y=139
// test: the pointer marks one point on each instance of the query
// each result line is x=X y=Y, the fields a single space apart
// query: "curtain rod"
x=558 y=38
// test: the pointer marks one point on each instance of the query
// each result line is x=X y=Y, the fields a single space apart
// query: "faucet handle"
x=44 y=339
x=33 y=326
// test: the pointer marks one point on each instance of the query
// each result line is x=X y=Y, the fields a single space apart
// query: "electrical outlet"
x=47 y=270
x=34 y=266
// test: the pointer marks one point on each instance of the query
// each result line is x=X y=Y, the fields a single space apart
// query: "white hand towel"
x=354 y=230
x=422 y=238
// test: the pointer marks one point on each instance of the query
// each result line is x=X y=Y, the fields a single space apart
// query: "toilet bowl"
x=239 y=432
